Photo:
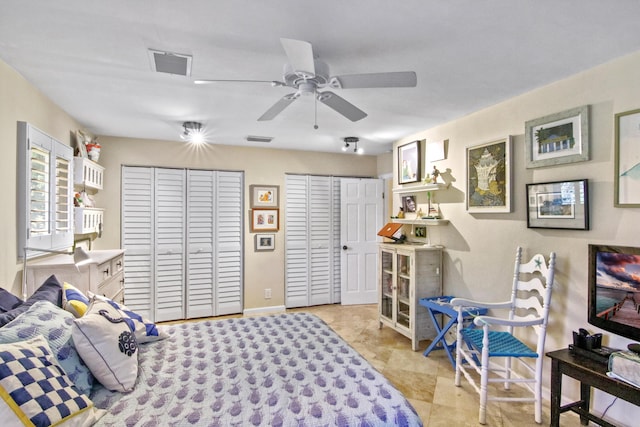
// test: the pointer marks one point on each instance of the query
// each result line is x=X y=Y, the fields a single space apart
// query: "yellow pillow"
x=73 y=300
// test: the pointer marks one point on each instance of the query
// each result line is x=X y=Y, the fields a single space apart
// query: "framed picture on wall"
x=265 y=242
x=409 y=162
x=627 y=160
x=264 y=220
x=489 y=177
x=558 y=138
x=560 y=204
x=264 y=196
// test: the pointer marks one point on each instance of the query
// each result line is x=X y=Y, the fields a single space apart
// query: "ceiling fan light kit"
x=192 y=132
x=309 y=75
x=348 y=141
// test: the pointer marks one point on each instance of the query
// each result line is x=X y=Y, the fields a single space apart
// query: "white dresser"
x=103 y=276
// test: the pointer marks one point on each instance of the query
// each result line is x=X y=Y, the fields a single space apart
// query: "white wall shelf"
x=418 y=221
x=420 y=188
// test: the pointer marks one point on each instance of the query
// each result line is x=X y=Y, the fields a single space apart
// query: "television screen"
x=614 y=289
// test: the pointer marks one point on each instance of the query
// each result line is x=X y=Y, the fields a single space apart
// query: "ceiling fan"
x=310 y=76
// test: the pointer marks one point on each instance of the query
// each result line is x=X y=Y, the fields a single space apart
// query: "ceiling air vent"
x=251 y=138
x=171 y=63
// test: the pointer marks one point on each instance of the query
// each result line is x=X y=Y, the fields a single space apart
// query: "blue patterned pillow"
x=8 y=301
x=144 y=329
x=50 y=290
x=36 y=391
x=44 y=318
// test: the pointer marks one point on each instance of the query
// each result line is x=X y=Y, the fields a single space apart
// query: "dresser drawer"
x=113 y=288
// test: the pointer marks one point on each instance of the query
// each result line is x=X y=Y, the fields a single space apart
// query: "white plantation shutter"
x=310 y=240
x=296 y=242
x=200 y=238
x=183 y=234
x=319 y=225
x=229 y=249
x=138 y=238
x=170 y=240
x=337 y=246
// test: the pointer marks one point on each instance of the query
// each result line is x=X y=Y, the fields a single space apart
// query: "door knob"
x=344 y=248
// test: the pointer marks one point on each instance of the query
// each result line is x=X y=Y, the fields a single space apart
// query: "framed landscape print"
x=264 y=220
x=560 y=204
x=627 y=160
x=264 y=196
x=558 y=138
x=489 y=177
x=265 y=242
x=409 y=162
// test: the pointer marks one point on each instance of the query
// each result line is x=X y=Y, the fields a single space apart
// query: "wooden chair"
x=528 y=309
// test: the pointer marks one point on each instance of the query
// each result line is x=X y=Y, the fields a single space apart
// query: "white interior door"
x=361 y=207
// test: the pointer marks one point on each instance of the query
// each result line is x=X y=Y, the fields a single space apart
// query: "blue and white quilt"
x=281 y=370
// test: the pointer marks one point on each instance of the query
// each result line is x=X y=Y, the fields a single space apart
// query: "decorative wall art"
x=265 y=242
x=560 y=204
x=435 y=151
x=264 y=196
x=489 y=177
x=409 y=162
x=409 y=204
x=627 y=160
x=264 y=220
x=558 y=138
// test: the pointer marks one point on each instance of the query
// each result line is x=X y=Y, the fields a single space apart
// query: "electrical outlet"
x=267 y=293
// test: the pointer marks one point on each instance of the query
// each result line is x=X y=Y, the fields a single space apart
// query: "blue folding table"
x=441 y=304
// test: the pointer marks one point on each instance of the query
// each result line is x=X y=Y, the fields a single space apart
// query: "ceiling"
x=91 y=58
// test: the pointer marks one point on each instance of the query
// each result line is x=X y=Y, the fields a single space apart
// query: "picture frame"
x=435 y=151
x=627 y=160
x=264 y=196
x=81 y=141
x=265 y=242
x=409 y=204
x=558 y=204
x=489 y=177
x=409 y=163
x=558 y=138
x=265 y=219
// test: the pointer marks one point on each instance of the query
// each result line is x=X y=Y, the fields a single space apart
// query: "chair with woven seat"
x=528 y=308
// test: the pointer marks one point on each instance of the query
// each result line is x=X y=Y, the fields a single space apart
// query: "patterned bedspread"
x=282 y=370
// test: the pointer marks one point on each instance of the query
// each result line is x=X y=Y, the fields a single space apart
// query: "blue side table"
x=436 y=305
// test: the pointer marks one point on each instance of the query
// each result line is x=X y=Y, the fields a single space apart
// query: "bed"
x=281 y=370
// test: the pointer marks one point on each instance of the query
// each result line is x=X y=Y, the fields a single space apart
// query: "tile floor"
x=426 y=381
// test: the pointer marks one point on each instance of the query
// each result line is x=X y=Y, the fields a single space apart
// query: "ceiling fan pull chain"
x=315 y=112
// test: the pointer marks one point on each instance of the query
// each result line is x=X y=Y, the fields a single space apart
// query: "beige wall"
x=480 y=248
x=260 y=166
x=20 y=101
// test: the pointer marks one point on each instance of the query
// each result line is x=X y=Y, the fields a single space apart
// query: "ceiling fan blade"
x=210 y=81
x=341 y=105
x=300 y=54
x=278 y=107
x=372 y=80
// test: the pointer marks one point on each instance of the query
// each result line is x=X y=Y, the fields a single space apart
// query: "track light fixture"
x=348 y=141
x=192 y=132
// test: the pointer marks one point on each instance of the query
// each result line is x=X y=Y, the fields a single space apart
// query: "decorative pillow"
x=50 y=290
x=8 y=301
x=107 y=346
x=145 y=330
x=36 y=391
x=73 y=300
x=44 y=318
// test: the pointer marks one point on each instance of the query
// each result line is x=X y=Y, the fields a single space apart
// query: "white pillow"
x=36 y=391
x=144 y=329
x=107 y=345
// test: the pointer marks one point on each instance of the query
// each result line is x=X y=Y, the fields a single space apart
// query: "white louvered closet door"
x=311 y=267
x=170 y=240
x=229 y=247
x=201 y=194
x=138 y=238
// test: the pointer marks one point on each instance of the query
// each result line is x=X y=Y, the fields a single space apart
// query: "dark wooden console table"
x=590 y=373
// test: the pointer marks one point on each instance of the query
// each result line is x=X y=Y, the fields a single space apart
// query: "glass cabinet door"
x=386 y=295
x=403 y=280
